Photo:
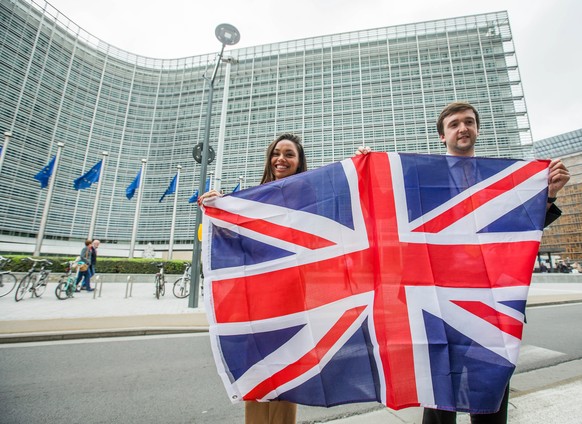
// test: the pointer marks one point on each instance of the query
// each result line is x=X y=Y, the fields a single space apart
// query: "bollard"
x=128 y=286
x=97 y=281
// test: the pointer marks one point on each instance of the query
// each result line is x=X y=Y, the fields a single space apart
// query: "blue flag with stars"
x=90 y=177
x=45 y=173
x=171 y=188
x=130 y=190
x=194 y=197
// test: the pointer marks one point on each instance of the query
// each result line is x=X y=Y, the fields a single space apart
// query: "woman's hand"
x=208 y=195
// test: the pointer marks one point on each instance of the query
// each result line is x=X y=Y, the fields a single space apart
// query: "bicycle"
x=67 y=283
x=35 y=280
x=182 y=284
x=7 y=278
x=160 y=281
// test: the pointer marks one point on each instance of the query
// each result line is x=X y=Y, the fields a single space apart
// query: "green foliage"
x=19 y=263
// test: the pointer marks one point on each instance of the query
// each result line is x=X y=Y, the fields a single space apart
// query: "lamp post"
x=227 y=35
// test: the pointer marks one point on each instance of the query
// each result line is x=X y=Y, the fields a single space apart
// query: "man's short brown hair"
x=453 y=108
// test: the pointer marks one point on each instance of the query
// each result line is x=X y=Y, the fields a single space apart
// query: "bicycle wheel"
x=40 y=288
x=61 y=290
x=163 y=286
x=22 y=288
x=181 y=288
x=158 y=283
x=7 y=283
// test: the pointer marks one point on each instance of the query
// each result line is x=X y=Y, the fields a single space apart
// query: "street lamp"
x=228 y=35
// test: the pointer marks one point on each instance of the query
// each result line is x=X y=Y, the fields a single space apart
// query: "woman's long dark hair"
x=268 y=175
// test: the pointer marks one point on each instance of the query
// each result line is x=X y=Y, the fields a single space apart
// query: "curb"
x=95 y=334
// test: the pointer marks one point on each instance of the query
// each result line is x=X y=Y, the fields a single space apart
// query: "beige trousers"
x=276 y=412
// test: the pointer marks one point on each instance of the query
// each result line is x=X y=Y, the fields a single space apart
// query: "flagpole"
x=173 y=228
x=137 y=208
x=97 y=195
x=222 y=128
x=47 y=202
x=240 y=181
x=7 y=136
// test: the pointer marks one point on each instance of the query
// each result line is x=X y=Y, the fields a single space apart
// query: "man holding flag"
x=458 y=127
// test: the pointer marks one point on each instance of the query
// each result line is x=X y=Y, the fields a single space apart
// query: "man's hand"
x=558 y=177
x=363 y=150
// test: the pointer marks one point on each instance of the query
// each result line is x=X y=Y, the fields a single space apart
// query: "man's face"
x=460 y=133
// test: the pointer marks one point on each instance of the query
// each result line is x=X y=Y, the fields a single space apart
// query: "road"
x=173 y=379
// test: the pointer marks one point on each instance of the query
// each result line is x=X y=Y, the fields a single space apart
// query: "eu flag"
x=194 y=197
x=45 y=173
x=130 y=190
x=171 y=188
x=90 y=177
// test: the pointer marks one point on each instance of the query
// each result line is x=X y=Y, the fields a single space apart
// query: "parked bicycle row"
x=36 y=279
x=181 y=285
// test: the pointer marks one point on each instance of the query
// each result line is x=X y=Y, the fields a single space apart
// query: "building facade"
x=564 y=236
x=381 y=87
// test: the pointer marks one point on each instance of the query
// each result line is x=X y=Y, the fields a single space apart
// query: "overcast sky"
x=547 y=35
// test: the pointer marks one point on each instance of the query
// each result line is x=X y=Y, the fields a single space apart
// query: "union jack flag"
x=392 y=278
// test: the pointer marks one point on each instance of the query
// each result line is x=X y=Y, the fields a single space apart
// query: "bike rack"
x=128 y=286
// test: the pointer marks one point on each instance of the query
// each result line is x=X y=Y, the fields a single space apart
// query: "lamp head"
x=227 y=34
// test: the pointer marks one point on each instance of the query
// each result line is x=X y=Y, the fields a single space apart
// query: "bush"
x=19 y=263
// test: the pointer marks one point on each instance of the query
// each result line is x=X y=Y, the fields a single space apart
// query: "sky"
x=547 y=35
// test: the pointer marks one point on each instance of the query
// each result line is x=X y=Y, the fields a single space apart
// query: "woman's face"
x=284 y=159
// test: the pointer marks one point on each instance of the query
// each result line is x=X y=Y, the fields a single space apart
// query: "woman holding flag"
x=285 y=157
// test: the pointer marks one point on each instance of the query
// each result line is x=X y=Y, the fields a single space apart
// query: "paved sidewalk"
x=111 y=310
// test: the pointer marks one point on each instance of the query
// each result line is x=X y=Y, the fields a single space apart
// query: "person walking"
x=83 y=265
x=92 y=267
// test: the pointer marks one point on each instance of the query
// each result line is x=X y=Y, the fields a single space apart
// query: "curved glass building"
x=381 y=87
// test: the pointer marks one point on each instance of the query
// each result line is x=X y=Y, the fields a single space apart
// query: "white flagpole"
x=210 y=183
x=97 y=195
x=47 y=202
x=220 y=149
x=137 y=208
x=7 y=136
x=240 y=181
x=173 y=228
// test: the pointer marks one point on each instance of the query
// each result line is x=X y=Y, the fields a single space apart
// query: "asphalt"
x=545 y=395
